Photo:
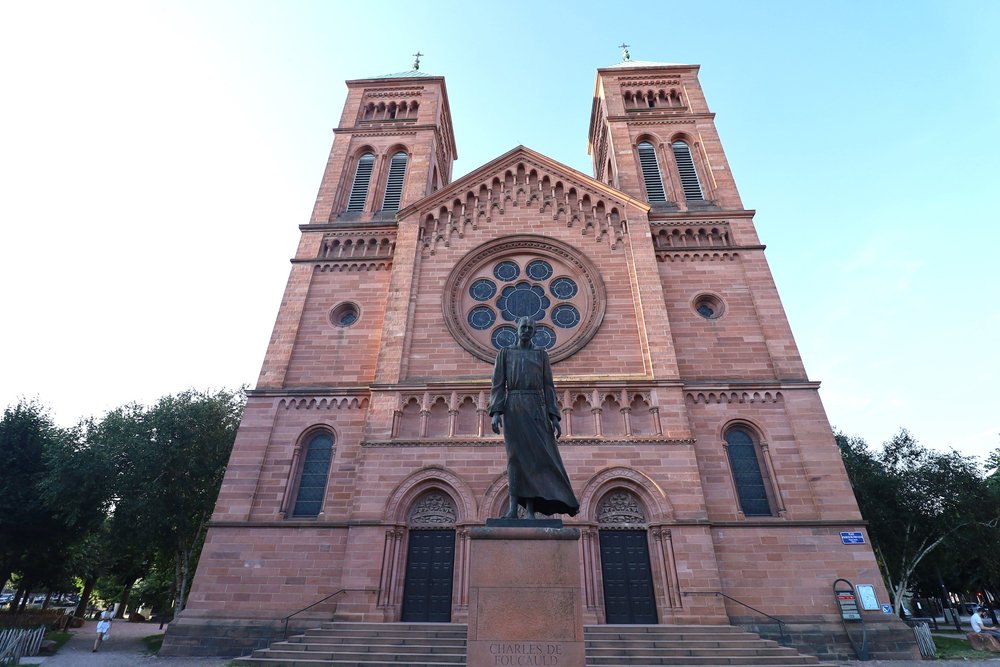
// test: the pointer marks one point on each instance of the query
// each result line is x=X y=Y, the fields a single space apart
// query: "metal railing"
x=781 y=624
x=284 y=632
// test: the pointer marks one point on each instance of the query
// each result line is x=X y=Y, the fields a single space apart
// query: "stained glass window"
x=565 y=316
x=506 y=271
x=746 y=473
x=312 y=480
x=523 y=300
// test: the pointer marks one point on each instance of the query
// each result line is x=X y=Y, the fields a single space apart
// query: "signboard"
x=848 y=606
x=886 y=608
x=866 y=594
x=852 y=537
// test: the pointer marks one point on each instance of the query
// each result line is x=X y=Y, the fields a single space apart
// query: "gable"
x=518 y=179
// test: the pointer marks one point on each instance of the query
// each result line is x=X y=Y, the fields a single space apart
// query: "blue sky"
x=157 y=159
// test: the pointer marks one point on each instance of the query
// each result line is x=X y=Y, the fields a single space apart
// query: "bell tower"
x=394 y=145
x=653 y=136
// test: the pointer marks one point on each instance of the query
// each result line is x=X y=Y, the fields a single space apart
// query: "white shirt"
x=977 y=623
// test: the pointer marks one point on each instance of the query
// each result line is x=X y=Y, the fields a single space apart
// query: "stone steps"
x=444 y=645
x=685 y=646
x=368 y=645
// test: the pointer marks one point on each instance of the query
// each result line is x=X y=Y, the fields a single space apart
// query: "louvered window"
x=312 y=481
x=394 y=184
x=362 y=177
x=746 y=474
x=651 y=173
x=689 y=175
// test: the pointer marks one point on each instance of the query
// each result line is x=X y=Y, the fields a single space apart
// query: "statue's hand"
x=497 y=422
x=556 y=428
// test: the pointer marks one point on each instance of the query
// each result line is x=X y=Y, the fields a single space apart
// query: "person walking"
x=103 y=627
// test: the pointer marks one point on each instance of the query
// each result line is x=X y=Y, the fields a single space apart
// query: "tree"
x=34 y=534
x=171 y=459
x=915 y=499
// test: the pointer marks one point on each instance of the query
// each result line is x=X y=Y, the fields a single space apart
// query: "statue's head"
x=525 y=328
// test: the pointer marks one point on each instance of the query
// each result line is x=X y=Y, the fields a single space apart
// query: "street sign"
x=852 y=537
x=886 y=608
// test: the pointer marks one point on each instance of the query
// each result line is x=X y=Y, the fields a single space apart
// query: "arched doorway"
x=625 y=569
x=430 y=559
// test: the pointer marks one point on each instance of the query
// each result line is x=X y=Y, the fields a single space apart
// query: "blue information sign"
x=852 y=538
x=886 y=608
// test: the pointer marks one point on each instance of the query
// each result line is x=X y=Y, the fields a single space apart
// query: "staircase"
x=613 y=645
x=341 y=644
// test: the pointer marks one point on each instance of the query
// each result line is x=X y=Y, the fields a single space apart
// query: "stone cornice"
x=346 y=227
x=385 y=129
x=588 y=441
x=748 y=523
x=654 y=117
x=706 y=215
x=747 y=385
x=710 y=248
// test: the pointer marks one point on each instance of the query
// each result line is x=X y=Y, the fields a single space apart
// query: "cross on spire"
x=416 y=60
x=624 y=47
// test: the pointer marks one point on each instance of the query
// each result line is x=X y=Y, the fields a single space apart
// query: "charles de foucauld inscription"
x=525 y=653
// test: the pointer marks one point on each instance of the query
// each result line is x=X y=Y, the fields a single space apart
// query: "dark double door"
x=628 y=579
x=430 y=568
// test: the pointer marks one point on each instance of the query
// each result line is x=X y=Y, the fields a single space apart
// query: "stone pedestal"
x=525 y=597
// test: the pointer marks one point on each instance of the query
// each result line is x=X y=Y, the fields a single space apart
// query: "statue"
x=523 y=404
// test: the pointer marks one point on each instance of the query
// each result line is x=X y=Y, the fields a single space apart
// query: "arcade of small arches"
x=524 y=185
x=587 y=413
x=394 y=110
x=638 y=100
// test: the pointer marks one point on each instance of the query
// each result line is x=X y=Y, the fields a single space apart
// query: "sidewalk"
x=124 y=648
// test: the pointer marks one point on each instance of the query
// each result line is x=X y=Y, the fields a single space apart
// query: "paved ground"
x=124 y=648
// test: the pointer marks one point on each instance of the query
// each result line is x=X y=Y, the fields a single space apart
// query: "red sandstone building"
x=696 y=443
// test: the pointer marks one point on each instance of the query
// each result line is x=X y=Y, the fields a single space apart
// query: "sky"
x=156 y=159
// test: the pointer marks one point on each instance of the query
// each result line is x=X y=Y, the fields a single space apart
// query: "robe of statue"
x=524 y=394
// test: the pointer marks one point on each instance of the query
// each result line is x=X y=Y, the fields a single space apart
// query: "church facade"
x=697 y=446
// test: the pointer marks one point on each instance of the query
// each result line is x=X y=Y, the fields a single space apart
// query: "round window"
x=709 y=306
x=345 y=314
x=524 y=276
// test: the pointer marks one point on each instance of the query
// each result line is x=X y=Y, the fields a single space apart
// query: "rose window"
x=523 y=300
x=524 y=276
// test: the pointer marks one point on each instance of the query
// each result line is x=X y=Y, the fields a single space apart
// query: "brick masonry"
x=647 y=400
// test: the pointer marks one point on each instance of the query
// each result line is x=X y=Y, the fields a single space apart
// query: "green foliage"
x=107 y=500
x=954 y=648
x=60 y=637
x=36 y=530
x=922 y=504
x=153 y=643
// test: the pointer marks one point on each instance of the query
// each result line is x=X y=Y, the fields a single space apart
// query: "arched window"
x=394 y=183
x=312 y=479
x=362 y=177
x=689 y=175
x=651 y=172
x=747 y=476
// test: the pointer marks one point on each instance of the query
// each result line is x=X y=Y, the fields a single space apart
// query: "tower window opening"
x=651 y=173
x=312 y=477
x=394 y=183
x=362 y=177
x=747 y=477
x=689 y=175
